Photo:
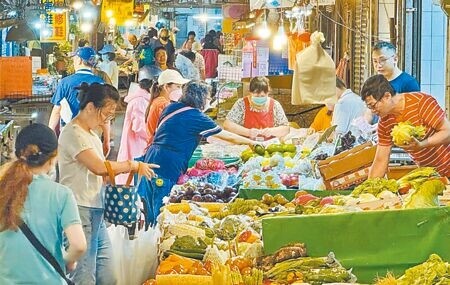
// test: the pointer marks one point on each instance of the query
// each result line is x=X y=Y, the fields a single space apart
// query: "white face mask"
x=175 y=95
x=105 y=57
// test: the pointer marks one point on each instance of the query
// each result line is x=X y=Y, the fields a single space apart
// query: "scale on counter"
x=399 y=157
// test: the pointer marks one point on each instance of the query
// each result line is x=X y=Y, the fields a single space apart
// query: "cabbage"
x=403 y=133
x=375 y=186
x=426 y=196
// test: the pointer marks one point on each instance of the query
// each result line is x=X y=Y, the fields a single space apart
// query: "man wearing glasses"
x=417 y=108
x=384 y=59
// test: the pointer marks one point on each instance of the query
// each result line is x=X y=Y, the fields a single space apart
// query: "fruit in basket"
x=259 y=149
x=267 y=199
x=289 y=148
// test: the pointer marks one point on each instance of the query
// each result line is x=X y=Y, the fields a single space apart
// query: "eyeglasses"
x=107 y=116
x=373 y=106
x=381 y=61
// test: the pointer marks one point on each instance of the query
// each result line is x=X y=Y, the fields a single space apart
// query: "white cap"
x=171 y=76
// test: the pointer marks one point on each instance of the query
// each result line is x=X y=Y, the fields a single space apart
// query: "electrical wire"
x=355 y=30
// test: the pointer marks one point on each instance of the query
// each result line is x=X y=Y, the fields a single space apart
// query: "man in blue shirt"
x=349 y=106
x=65 y=100
x=385 y=59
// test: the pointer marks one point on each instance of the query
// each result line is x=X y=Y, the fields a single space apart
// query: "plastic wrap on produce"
x=311 y=183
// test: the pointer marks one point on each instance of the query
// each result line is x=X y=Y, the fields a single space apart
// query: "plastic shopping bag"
x=135 y=261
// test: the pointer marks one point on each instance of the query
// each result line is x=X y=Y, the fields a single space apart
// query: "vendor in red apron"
x=257 y=116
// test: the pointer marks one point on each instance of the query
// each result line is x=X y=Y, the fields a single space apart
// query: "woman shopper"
x=180 y=127
x=165 y=90
x=82 y=166
x=47 y=208
x=134 y=133
x=257 y=115
x=108 y=65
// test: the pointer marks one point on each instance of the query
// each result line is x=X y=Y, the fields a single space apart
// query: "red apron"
x=258 y=120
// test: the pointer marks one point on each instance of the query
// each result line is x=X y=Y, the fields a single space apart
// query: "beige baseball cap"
x=171 y=76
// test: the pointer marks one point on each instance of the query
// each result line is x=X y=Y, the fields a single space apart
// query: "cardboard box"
x=348 y=168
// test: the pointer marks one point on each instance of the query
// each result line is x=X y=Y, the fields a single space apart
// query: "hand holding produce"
x=404 y=132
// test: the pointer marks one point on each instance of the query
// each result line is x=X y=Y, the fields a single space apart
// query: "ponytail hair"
x=15 y=177
x=155 y=91
x=96 y=93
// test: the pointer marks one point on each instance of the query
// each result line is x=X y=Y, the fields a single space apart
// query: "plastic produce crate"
x=371 y=242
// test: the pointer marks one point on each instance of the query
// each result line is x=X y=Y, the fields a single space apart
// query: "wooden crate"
x=348 y=168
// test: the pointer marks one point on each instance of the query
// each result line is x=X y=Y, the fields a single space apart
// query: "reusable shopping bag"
x=121 y=201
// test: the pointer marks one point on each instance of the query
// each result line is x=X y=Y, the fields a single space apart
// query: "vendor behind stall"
x=257 y=115
x=417 y=108
x=181 y=126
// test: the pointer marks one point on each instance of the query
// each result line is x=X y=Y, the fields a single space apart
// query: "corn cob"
x=186 y=230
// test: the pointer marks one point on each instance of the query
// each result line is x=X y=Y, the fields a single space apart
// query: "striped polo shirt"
x=420 y=109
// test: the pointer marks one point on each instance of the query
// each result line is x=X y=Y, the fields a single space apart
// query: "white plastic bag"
x=135 y=261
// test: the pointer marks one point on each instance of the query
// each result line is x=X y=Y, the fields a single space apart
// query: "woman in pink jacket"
x=134 y=134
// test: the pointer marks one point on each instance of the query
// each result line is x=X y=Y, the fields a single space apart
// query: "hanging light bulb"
x=280 y=39
x=263 y=30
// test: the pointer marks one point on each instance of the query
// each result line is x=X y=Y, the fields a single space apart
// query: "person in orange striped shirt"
x=417 y=108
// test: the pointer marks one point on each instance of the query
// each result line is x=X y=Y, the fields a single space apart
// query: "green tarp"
x=371 y=242
x=288 y=194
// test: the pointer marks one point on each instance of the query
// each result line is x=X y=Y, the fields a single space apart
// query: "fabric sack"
x=314 y=79
x=121 y=201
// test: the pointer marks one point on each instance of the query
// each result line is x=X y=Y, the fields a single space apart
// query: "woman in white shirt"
x=82 y=166
x=108 y=65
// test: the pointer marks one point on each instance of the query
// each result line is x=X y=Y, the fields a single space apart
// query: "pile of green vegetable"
x=312 y=270
x=434 y=271
x=375 y=186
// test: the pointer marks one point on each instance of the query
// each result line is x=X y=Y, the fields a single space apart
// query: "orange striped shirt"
x=420 y=109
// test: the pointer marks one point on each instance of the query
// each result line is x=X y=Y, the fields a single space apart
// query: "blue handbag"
x=121 y=201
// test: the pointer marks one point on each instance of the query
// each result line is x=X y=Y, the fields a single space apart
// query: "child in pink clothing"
x=134 y=134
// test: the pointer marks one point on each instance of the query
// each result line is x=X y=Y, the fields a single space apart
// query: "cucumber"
x=193 y=255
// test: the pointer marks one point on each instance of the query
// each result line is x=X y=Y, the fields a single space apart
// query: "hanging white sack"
x=314 y=79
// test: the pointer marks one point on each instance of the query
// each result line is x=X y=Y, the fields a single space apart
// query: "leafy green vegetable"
x=403 y=133
x=375 y=186
x=432 y=272
x=426 y=196
x=189 y=244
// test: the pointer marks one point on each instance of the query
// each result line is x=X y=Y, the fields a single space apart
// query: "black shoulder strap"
x=43 y=251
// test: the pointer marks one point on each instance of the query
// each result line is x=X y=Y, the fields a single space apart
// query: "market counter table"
x=372 y=242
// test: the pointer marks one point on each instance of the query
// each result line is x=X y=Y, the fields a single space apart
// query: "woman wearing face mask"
x=108 y=65
x=180 y=127
x=257 y=115
x=163 y=91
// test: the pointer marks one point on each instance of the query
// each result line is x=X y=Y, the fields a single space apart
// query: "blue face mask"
x=259 y=100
